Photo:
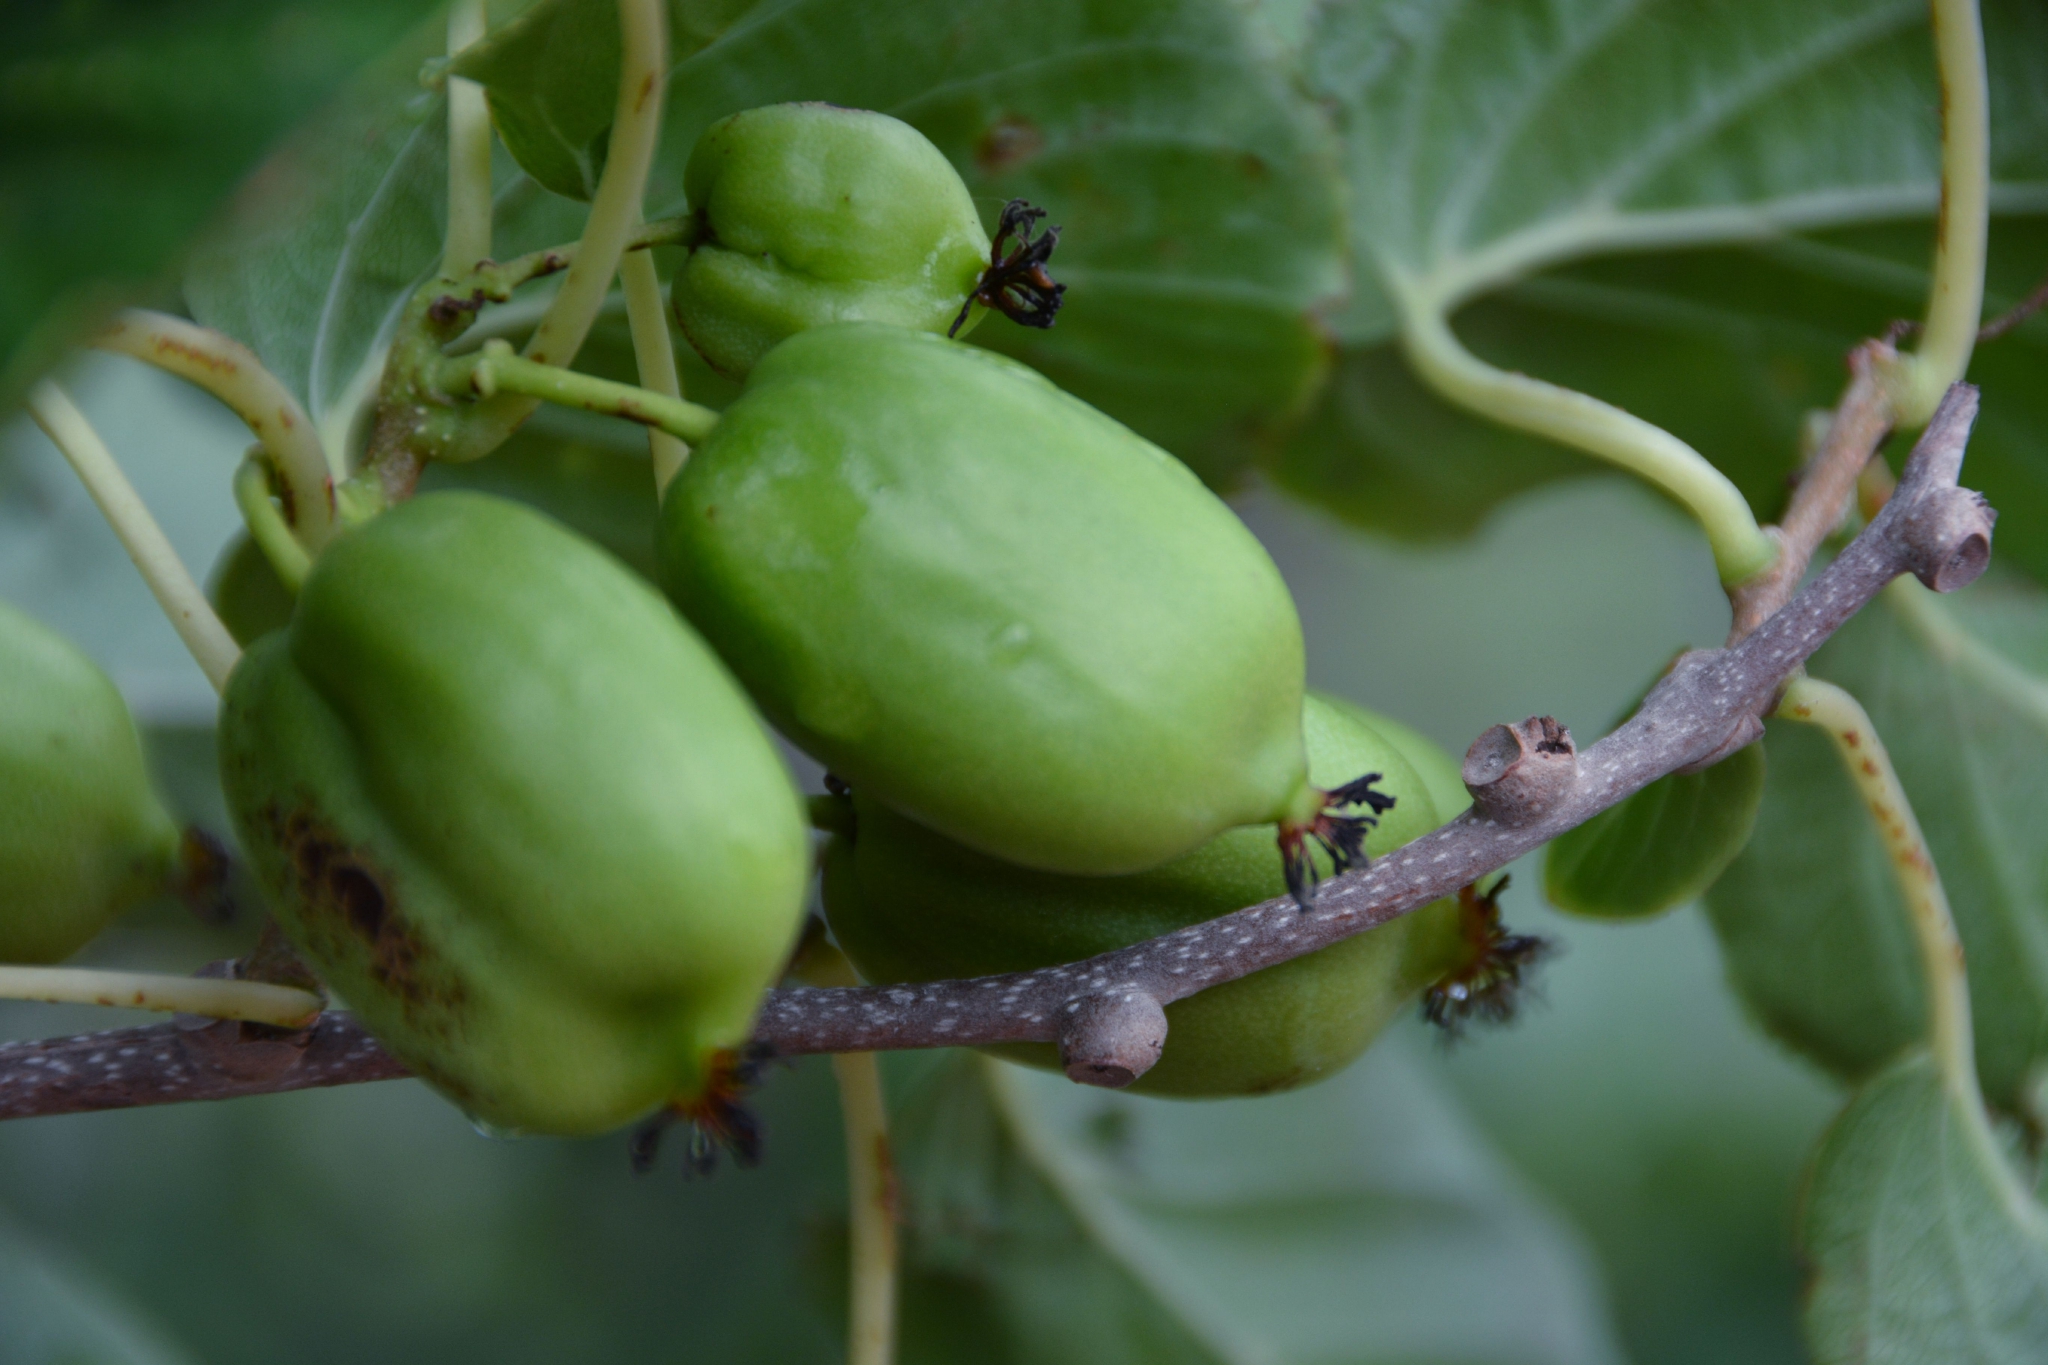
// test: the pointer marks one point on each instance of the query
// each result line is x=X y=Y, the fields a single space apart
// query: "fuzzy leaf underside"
x=1922 y=1249
x=1809 y=916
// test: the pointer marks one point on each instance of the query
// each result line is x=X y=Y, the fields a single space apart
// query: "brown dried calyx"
x=1016 y=284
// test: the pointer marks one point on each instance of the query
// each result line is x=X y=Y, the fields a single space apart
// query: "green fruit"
x=246 y=592
x=82 y=836
x=812 y=214
x=908 y=905
x=516 y=814
x=988 y=605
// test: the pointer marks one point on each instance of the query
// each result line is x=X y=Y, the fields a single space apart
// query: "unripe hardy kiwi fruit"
x=517 y=814
x=909 y=905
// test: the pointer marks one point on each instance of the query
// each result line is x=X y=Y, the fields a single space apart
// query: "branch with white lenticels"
x=1529 y=785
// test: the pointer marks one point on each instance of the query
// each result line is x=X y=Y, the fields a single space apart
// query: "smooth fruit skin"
x=247 y=595
x=813 y=214
x=908 y=905
x=988 y=605
x=516 y=813
x=82 y=835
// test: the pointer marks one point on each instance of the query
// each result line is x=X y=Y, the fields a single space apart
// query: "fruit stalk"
x=655 y=354
x=176 y=592
x=614 y=216
x=256 y=1002
x=231 y=372
x=469 y=149
x=498 y=371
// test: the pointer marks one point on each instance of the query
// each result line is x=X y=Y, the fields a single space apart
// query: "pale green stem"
x=231 y=372
x=871 y=1187
x=654 y=351
x=288 y=559
x=257 y=1002
x=498 y=371
x=176 y=592
x=1741 y=549
x=469 y=150
x=1863 y=755
x=614 y=216
x=1955 y=303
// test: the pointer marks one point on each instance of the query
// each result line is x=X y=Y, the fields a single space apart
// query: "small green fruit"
x=908 y=905
x=812 y=214
x=82 y=836
x=517 y=814
x=246 y=592
x=986 y=604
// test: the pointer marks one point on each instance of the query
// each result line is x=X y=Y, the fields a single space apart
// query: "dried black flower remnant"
x=1016 y=284
x=1489 y=985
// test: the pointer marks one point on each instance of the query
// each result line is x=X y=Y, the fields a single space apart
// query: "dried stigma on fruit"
x=517 y=814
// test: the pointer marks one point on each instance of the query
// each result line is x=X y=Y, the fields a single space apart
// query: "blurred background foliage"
x=1613 y=1178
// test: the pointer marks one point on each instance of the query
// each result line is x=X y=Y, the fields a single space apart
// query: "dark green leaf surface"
x=1485 y=142
x=1198 y=202
x=1923 y=1244
x=1809 y=918
x=122 y=122
x=1349 y=1222
x=1662 y=847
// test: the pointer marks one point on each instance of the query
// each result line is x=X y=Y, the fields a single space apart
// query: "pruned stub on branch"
x=1529 y=785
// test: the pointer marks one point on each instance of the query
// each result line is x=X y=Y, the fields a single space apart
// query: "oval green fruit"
x=517 y=814
x=909 y=905
x=247 y=595
x=812 y=214
x=988 y=605
x=82 y=835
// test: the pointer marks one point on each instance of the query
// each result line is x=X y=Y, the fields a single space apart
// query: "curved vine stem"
x=469 y=150
x=176 y=592
x=256 y=1002
x=231 y=372
x=1741 y=548
x=1955 y=303
x=871 y=1195
x=260 y=513
x=614 y=218
x=1822 y=704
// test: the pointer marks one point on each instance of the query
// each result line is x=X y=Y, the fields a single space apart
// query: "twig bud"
x=1517 y=772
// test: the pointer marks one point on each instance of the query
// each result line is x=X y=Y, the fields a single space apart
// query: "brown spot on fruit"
x=351 y=915
x=1009 y=142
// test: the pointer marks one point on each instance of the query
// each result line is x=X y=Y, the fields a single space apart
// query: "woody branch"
x=1528 y=781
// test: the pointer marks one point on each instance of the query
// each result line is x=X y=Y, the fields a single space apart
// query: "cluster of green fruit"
x=524 y=816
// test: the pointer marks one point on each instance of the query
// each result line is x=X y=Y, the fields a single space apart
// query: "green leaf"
x=1356 y=1221
x=311 y=260
x=57 y=1315
x=553 y=79
x=1201 y=215
x=1809 y=918
x=1485 y=143
x=1661 y=847
x=122 y=122
x=1923 y=1244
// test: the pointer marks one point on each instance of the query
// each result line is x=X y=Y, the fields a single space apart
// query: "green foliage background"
x=1708 y=202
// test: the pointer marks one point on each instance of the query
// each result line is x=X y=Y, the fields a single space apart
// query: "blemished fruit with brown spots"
x=517 y=815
